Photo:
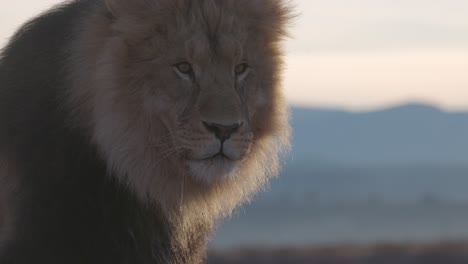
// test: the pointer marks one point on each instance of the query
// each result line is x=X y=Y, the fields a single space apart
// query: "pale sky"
x=358 y=54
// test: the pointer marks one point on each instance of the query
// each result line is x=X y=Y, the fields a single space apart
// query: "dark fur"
x=67 y=209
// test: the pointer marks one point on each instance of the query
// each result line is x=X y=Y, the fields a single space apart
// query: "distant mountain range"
x=407 y=134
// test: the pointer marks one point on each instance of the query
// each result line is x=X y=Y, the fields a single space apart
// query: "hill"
x=404 y=134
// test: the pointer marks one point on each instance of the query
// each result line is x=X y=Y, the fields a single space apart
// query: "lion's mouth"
x=214 y=163
x=218 y=156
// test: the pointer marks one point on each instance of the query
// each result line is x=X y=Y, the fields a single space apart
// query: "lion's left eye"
x=184 y=67
x=184 y=70
x=241 y=69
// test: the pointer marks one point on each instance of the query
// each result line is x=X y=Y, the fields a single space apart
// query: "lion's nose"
x=222 y=132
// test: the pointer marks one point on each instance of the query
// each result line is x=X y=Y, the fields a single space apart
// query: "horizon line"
x=378 y=108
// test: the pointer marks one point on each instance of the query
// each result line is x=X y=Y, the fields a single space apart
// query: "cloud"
x=344 y=25
x=360 y=81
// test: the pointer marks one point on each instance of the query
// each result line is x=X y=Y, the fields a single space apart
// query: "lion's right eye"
x=241 y=71
x=184 y=70
x=184 y=67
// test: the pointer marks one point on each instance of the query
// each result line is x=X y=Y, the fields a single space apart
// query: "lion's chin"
x=213 y=170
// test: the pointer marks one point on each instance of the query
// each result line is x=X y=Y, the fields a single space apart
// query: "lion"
x=131 y=127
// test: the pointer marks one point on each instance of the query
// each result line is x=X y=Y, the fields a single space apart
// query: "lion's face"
x=207 y=87
x=187 y=88
x=213 y=129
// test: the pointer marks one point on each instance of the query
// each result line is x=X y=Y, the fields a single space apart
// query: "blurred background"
x=378 y=91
